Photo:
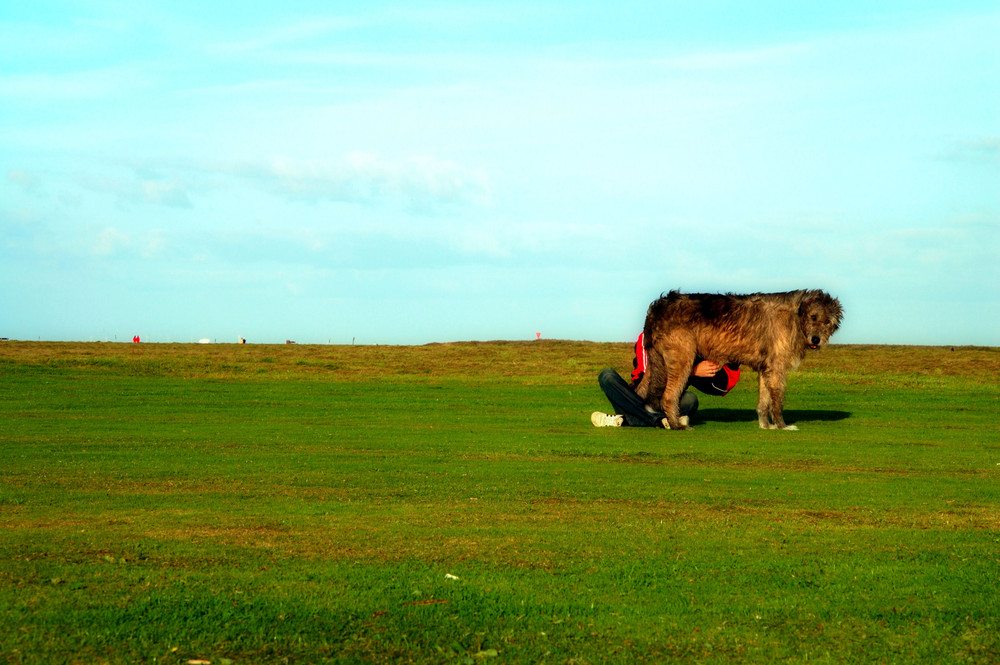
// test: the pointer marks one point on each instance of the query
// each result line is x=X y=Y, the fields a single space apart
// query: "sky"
x=417 y=172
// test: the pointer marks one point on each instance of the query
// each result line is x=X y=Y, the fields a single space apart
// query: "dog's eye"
x=813 y=317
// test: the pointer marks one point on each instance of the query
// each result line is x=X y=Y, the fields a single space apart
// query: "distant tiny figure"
x=135 y=340
x=243 y=340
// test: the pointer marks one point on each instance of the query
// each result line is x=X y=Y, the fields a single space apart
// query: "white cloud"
x=74 y=86
x=715 y=60
x=138 y=190
x=982 y=150
x=28 y=181
x=419 y=183
x=287 y=34
x=110 y=241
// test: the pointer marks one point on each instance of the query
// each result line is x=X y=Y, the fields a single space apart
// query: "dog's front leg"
x=763 y=401
x=771 y=400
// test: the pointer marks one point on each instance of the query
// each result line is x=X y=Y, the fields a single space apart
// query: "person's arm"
x=712 y=378
x=706 y=369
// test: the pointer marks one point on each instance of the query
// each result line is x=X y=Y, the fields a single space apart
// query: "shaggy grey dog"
x=768 y=332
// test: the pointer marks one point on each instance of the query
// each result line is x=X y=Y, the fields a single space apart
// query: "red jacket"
x=721 y=383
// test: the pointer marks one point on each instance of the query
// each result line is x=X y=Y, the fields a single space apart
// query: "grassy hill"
x=451 y=503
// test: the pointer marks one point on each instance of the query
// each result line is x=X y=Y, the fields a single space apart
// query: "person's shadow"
x=792 y=416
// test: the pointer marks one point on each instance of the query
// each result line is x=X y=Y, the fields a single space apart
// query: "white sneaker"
x=604 y=420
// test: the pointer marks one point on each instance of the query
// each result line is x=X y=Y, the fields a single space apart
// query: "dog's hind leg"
x=650 y=387
x=678 y=371
x=642 y=388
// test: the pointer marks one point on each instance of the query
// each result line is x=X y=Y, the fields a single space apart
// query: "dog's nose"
x=815 y=340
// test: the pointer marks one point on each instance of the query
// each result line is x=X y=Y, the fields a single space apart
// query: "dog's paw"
x=790 y=428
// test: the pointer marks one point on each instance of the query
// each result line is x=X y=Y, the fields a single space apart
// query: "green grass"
x=453 y=504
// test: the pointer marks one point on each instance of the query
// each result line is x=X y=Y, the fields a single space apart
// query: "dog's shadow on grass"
x=750 y=415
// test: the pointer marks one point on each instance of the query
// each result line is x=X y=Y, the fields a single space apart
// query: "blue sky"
x=403 y=173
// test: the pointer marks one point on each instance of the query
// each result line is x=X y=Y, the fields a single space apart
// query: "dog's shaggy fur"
x=768 y=332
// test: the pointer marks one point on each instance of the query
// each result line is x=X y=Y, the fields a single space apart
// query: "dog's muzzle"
x=814 y=343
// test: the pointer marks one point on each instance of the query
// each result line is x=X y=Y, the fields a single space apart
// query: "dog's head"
x=819 y=317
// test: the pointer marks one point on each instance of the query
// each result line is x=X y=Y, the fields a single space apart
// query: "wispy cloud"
x=982 y=150
x=29 y=181
x=288 y=34
x=138 y=190
x=455 y=20
x=419 y=183
x=735 y=59
x=94 y=84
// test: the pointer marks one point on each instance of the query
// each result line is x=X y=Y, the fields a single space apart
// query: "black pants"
x=631 y=406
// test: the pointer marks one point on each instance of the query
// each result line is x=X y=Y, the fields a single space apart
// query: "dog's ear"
x=804 y=298
x=836 y=312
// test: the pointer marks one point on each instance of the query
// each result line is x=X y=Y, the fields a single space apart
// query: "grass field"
x=453 y=504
